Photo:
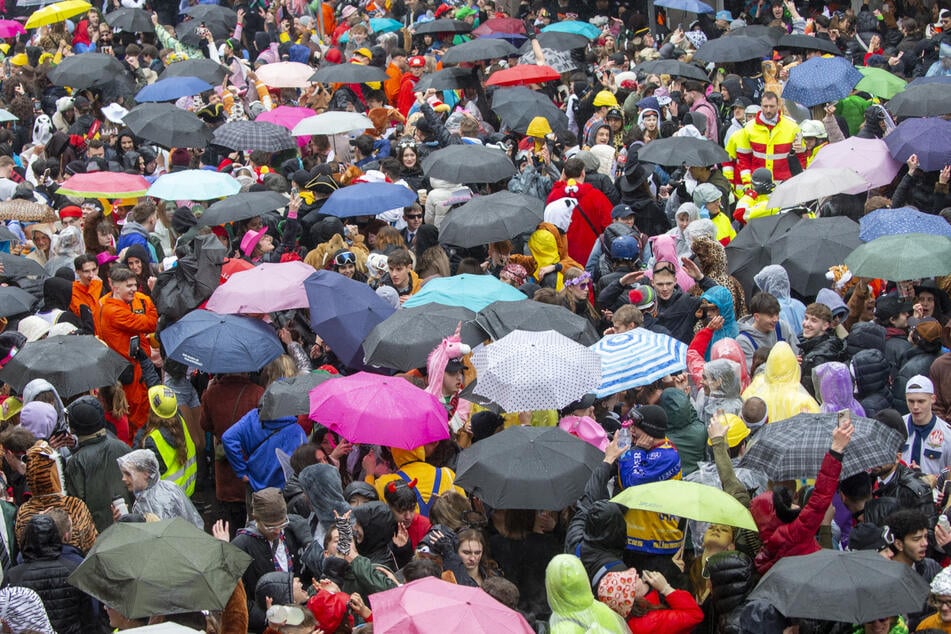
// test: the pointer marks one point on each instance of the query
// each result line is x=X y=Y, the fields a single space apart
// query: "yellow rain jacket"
x=544 y=249
x=778 y=385
x=430 y=481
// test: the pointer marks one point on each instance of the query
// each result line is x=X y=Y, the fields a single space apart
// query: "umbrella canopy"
x=922 y=100
x=188 y=32
x=561 y=371
x=254 y=135
x=734 y=49
x=637 y=357
x=16 y=301
x=367 y=199
x=288 y=117
x=500 y=25
x=241 y=207
x=542 y=468
x=795 y=447
x=692 y=500
x=890 y=222
x=194 y=185
x=518 y=106
x=26 y=211
x=451 y=78
x=159 y=568
x=379 y=410
x=71 y=364
x=474 y=292
x=523 y=75
x=929 y=139
x=560 y=61
x=166 y=125
x=57 y=12
x=88 y=70
x=291 y=396
x=343 y=312
x=28 y=274
x=842 y=585
x=12 y=28
x=557 y=41
x=821 y=80
x=444 y=25
x=432 y=605
x=808 y=43
x=672 y=67
x=468 y=164
x=575 y=27
x=130 y=20
x=878 y=82
x=349 y=74
x=484 y=219
x=908 y=256
x=501 y=318
x=172 y=88
x=104 y=185
x=813 y=245
x=209 y=70
x=285 y=75
x=6 y=115
x=815 y=183
x=868 y=157
x=205 y=12
x=267 y=288
x=404 y=340
x=479 y=50
x=219 y=344
x=677 y=151
x=332 y=122
x=752 y=248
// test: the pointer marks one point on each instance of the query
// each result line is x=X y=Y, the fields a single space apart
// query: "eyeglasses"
x=345 y=258
x=939 y=602
x=413 y=216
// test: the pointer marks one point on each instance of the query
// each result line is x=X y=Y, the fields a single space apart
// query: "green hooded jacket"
x=574 y=609
x=684 y=428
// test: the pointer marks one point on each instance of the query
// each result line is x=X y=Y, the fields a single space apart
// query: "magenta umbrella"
x=266 y=288
x=10 y=28
x=870 y=158
x=288 y=117
x=434 y=606
x=379 y=410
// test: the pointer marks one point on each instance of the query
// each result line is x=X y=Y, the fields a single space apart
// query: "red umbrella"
x=500 y=25
x=104 y=185
x=522 y=75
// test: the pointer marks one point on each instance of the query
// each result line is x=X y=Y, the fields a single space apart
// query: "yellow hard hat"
x=19 y=59
x=605 y=98
x=736 y=432
x=163 y=401
x=10 y=408
x=538 y=128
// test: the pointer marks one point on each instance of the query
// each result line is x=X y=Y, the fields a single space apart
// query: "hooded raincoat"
x=574 y=610
x=684 y=428
x=774 y=280
x=726 y=395
x=835 y=389
x=162 y=498
x=779 y=386
x=430 y=480
x=544 y=249
x=665 y=249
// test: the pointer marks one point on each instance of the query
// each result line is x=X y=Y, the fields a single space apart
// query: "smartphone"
x=134 y=346
x=844 y=417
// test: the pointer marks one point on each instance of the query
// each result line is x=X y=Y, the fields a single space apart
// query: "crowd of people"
x=623 y=244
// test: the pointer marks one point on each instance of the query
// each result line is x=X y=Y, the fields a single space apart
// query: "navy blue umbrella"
x=367 y=199
x=929 y=138
x=172 y=88
x=343 y=312
x=220 y=344
x=821 y=80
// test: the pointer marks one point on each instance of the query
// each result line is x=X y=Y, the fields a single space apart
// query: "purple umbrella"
x=929 y=138
x=868 y=157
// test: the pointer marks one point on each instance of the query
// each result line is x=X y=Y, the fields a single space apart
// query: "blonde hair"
x=280 y=368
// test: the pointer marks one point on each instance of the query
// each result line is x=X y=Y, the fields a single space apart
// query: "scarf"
x=920 y=433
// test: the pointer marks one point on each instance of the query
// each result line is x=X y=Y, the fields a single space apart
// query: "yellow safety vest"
x=182 y=475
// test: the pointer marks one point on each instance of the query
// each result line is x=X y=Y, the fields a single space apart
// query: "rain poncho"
x=722 y=298
x=665 y=249
x=162 y=498
x=574 y=610
x=726 y=396
x=774 y=280
x=67 y=244
x=544 y=249
x=22 y=610
x=36 y=387
x=834 y=386
x=779 y=386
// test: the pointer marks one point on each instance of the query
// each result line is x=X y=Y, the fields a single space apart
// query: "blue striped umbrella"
x=637 y=357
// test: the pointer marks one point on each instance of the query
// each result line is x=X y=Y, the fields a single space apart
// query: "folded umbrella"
x=637 y=357
x=468 y=164
x=576 y=27
x=541 y=468
x=57 y=12
x=241 y=207
x=672 y=67
x=821 y=80
x=928 y=138
x=890 y=222
x=868 y=157
x=172 y=88
x=26 y=211
x=209 y=70
x=445 y=25
x=907 y=256
x=692 y=500
x=291 y=396
x=254 y=135
x=734 y=49
x=194 y=185
x=478 y=50
x=556 y=41
x=880 y=83
x=166 y=125
x=73 y=364
x=922 y=100
x=798 y=41
x=219 y=344
x=518 y=106
x=267 y=288
x=493 y=218
x=285 y=75
x=88 y=70
x=367 y=199
x=810 y=247
x=523 y=75
x=332 y=122
x=130 y=20
x=816 y=183
x=16 y=301
x=104 y=185
x=500 y=318
x=404 y=340
x=499 y=25
x=677 y=151
x=474 y=292
x=349 y=74
x=751 y=249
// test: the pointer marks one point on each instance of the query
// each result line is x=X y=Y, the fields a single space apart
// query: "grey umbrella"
x=500 y=318
x=478 y=50
x=519 y=105
x=444 y=25
x=451 y=78
x=672 y=67
x=734 y=49
x=15 y=301
x=71 y=364
x=290 y=396
x=807 y=43
x=254 y=135
x=810 y=247
x=558 y=41
x=559 y=60
x=241 y=207
x=349 y=74
x=86 y=71
x=484 y=219
x=130 y=20
x=468 y=164
x=922 y=100
x=25 y=273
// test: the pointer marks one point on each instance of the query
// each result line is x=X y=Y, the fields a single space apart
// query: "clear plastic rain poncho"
x=161 y=497
x=833 y=383
x=726 y=373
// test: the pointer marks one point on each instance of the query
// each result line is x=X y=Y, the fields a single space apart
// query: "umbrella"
x=187 y=32
x=751 y=249
x=212 y=12
x=71 y=364
x=367 y=199
x=515 y=39
x=518 y=106
x=166 y=125
x=809 y=43
x=379 y=410
x=734 y=49
x=842 y=585
x=385 y=25
x=194 y=185
x=929 y=138
x=525 y=371
x=12 y=28
x=478 y=50
x=674 y=68
x=692 y=500
x=501 y=318
x=444 y=25
x=561 y=61
x=288 y=117
x=28 y=274
x=241 y=207
x=285 y=75
x=575 y=27
x=57 y=12
x=130 y=20
x=104 y=185
x=890 y=222
x=868 y=157
x=254 y=135
x=878 y=82
x=16 y=301
x=637 y=357
x=528 y=468
x=290 y=396
x=6 y=115
x=88 y=70
x=815 y=183
x=493 y=218
x=332 y=122
x=343 y=312
x=522 y=75
x=267 y=288
x=172 y=88
x=557 y=41
x=451 y=78
x=677 y=151
x=907 y=256
x=922 y=100
x=432 y=605
x=474 y=292
x=349 y=74
x=159 y=568
x=499 y=25
x=8 y=236
x=219 y=344
x=937 y=79
x=206 y=69
x=404 y=340
x=809 y=248
x=821 y=80
x=468 y=164
x=26 y=211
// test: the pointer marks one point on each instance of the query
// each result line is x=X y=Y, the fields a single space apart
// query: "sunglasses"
x=413 y=216
x=345 y=258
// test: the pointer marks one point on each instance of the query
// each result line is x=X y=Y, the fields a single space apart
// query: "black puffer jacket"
x=872 y=375
x=816 y=351
x=732 y=577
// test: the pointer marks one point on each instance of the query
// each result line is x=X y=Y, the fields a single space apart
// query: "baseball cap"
x=621 y=211
x=416 y=61
x=868 y=536
x=584 y=402
x=741 y=102
x=163 y=401
x=919 y=384
x=929 y=330
x=615 y=113
x=365 y=52
x=752 y=109
x=891 y=305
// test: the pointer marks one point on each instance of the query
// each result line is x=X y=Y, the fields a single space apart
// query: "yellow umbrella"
x=57 y=13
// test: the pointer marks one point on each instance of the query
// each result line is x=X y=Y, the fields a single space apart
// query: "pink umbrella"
x=869 y=158
x=104 y=185
x=10 y=28
x=288 y=117
x=434 y=606
x=286 y=75
x=266 y=288
x=379 y=410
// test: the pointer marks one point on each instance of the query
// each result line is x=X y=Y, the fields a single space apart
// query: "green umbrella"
x=691 y=500
x=906 y=256
x=880 y=83
x=160 y=568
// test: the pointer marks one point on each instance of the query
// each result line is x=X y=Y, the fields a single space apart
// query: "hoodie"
x=250 y=444
x=684 y=429
x=430 y=480
x=723 y=300
x=574 y=610
x=751 y=338
x=442 y=197
x=133 y=233
x=379 y=527
x=778 y=385
x=321 y=484
x=774 y=280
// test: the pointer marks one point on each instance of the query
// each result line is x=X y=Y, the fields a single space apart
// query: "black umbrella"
x=807 y=43
x=809 y=248
x=519 y=105
x=451 y=78
x=500 y=318
x=542 y=468
x=168 y=126
x=770 y=33
x=468 y=164
x=493 y=218
x=15 y=301
x=72 y=364
x=444 y=25
x=676 y=151
x=290 y=396
x=478 y=50
x=752 y=248
x=404 y=340
x=672 y=67
x=212 y=12
x=923 y=100
x=241 y=207
x=88 y=70
x=841 y=585
x=254 y=135
x=206 y=69
x=24 y=272
x=349 y=74
x=130 y=20
x=734 y=49
x=8 y=236
x=557 y=41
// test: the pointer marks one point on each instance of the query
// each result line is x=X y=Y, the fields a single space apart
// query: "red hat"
x=416 y=61
x=334 y=56
x=221 y=232
x=329 y=609
x=70 y=211
x=442 y=10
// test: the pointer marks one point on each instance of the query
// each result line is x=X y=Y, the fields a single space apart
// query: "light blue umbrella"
x=378 y=25
x=194 y=185
x=890 y=222
x=474 y=292
x=577 y=27
x=821 y=80
x=172 y=88
x=367 y=199
x=221 y=344
x=637 y=357
x=690 y=6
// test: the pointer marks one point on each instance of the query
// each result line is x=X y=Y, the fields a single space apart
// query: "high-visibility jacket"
x=753 y=205
x=729 y=169
x=184 y=475
x=766 y=146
